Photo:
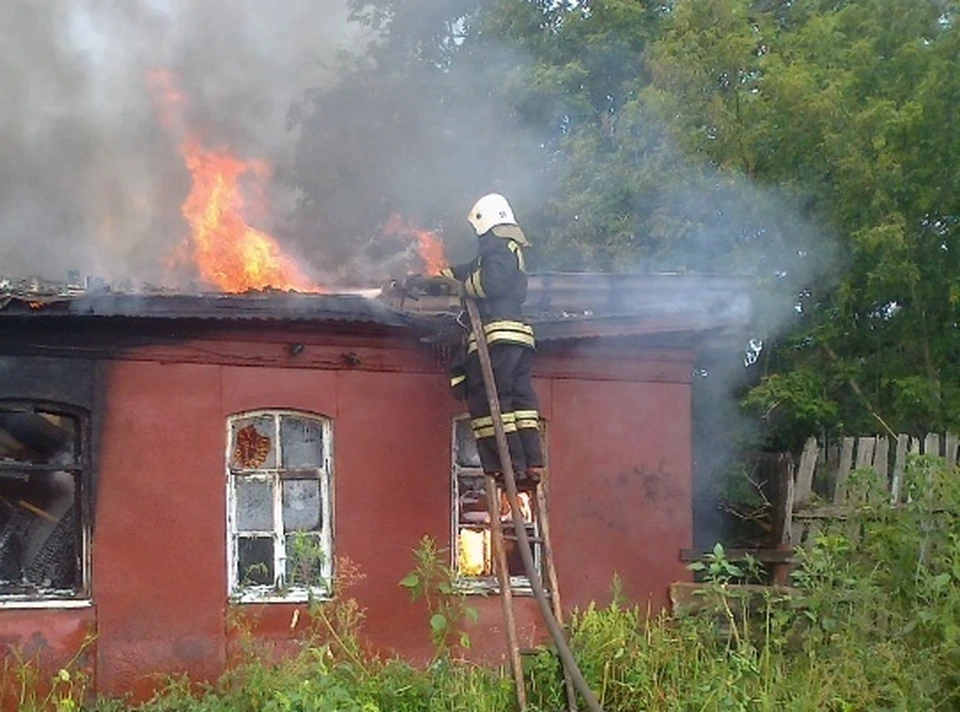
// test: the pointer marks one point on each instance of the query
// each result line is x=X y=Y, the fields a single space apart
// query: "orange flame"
x=429 y=244
x=229 y=254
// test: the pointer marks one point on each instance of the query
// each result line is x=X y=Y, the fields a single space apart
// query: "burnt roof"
x=262 y=306
x=661 y=306
x=585 y=305
x=562 y=306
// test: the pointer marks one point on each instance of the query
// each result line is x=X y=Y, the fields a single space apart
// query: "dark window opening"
x=473 y=554
x=41 y=514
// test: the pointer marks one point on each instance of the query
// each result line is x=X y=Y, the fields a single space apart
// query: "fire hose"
x=520 y=529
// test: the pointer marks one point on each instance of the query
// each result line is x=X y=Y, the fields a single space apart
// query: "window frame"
x=82 y=471
x=482 y=585
x=279 y=592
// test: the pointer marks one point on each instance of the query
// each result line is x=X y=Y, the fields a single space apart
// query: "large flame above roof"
x=228 y=253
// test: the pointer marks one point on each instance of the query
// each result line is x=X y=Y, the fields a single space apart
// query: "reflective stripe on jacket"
x=497 y=280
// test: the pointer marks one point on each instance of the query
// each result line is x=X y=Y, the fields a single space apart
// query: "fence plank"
x=881 y=464
x=808 y=463
x=886 y=457
x=843 y=472
x=832 y=462
x=864 y=461
x=786 y=536
x=913 y=450
x=782 y=478
x=898 y=464
x=950 y=449
x=865 y=448
x=881 y=459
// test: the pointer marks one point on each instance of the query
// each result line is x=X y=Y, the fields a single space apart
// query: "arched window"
x=44 y=512
x=470 y=521
x=279 y=506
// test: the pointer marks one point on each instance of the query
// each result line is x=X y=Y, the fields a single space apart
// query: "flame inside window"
x=474 y=552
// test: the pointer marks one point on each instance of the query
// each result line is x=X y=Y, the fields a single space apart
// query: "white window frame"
x=481 y=585
x=279 y=592
x=82 y=471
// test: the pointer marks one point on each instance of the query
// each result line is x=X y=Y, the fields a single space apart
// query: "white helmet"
x=491 y=210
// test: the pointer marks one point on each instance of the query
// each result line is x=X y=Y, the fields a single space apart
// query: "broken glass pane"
x=465 y=446
x=472 y=500
x=38 y=437
x=40 y=531
x=302 y=508
x=52 y=559
x=305 y=559
x=255 y=561
x=39 y=537
x=512 y=548
x=302 y=440
x=254 y=505
x=251 y=445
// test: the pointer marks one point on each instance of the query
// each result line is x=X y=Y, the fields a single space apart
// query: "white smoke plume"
x=89 y=179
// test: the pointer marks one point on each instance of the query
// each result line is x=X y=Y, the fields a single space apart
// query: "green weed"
x=872 y=622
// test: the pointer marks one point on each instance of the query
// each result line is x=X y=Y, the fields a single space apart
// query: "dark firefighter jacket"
x=497 y=279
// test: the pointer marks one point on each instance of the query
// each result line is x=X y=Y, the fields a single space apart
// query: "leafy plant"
x=305 y=559
x=66 y=691
x=872 y=622
x=435 y=583
x=717 y=568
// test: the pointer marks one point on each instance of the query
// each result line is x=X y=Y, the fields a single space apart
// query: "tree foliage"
x=811 y=143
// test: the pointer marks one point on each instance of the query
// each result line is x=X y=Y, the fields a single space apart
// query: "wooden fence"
x=818 y=490
x=805 y=496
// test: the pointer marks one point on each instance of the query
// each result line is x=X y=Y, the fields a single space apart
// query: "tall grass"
x=872 y=622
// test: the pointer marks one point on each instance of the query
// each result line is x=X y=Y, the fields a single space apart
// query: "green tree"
x=870 y=85
x=846 y=112
x=811 y=143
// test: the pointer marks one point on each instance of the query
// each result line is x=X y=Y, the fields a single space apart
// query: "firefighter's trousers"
x=512 y=371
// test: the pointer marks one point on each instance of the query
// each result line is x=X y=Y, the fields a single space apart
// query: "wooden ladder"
x=550 y=608
x=541 y=521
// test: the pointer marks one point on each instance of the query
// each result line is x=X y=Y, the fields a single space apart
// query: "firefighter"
x=497 y=280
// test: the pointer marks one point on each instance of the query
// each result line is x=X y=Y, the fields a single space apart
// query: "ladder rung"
x=531 y=539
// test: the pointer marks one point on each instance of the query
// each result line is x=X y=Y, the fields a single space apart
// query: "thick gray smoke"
x=89 y=179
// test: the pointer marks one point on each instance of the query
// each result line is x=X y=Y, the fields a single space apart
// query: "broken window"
x=279 y=518
x=43 y=483
x=472 y=549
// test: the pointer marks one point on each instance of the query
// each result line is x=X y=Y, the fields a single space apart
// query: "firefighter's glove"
x=413 y=283
x=433 y=286
x=450 y=285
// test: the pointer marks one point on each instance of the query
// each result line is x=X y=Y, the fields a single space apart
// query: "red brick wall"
x=619 y=455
